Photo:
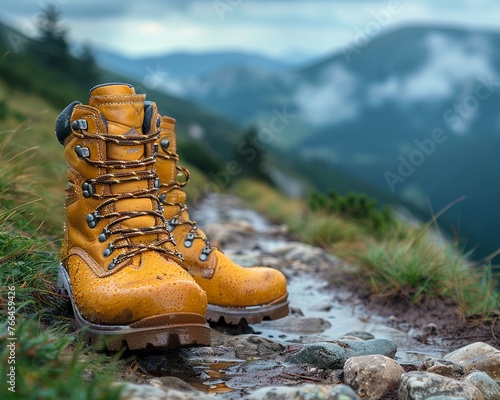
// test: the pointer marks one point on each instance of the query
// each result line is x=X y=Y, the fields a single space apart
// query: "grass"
x=50 y=361
x=51 y=364
x=415 y=263
x=270 y=202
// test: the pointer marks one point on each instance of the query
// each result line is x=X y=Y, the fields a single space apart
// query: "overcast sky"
x=302 y=28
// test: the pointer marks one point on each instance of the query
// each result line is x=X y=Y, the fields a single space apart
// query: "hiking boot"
x=119 y=264
x=233 y=292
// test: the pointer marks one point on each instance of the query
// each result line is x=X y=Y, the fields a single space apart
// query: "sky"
x=294 y=29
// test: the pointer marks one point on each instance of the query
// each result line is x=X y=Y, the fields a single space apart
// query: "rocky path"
x=329 y=347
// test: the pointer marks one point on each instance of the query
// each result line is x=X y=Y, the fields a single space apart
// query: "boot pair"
x=138 y=271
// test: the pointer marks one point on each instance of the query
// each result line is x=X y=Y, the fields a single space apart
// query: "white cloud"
x=331 y=99
x=451 y=63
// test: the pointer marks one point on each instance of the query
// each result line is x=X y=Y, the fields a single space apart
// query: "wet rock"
x=305 y=392
x=342 y=392
x=171 y=382
x=487 y=386
x=170 y=363
x=132 y=391
x=250 y=346
x=359 y=334
x=254 y=374
x=297 y=324
x=442 y=367
x=373 y=377
x=480 y=356
x=419 y=385
x=334 y=355
x=349 y=337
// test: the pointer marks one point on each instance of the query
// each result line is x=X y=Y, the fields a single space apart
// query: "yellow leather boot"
x=119 y=265
x=234 y=292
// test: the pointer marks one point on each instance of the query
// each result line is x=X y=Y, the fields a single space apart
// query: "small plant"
x=421 y=266
x=50 y=364
x=329 y=231
x=355 y=206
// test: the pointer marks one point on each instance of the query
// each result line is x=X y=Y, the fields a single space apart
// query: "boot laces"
x=182 y=208
x=126 y=171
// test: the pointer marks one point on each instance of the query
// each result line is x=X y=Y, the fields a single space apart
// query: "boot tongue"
x=123 y=111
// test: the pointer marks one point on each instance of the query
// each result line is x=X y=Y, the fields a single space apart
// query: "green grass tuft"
x=50 y=364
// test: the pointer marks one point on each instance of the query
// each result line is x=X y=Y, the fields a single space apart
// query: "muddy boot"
x=119 y=265
x=234 y=292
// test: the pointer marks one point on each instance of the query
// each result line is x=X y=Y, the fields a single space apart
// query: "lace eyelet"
x=188 y=241
x=107 y=252
x=205 y=253
x=93 y=219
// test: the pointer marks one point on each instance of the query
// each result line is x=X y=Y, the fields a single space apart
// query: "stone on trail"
x=249 y=346
x=305 y=392
x=423 y=385
x=442 y=367
x=373 y=377
x=487 y=386
x=480 y=356
x=332 y=355
x=132 y=391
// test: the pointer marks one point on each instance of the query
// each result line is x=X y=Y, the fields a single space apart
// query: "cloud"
x=331 y=99
x=451 y=62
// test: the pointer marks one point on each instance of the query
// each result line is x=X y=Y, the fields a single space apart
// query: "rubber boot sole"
x=167 y=331
x=253 y=314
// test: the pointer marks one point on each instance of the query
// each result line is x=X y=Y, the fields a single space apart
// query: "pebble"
x=419 y=385
x=487 y=386
x=305 y=392
x=334 y=355
x=373 y=377
x=297 y=324
x=480 y=356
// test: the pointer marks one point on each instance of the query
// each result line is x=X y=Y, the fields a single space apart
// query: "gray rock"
x=305 y=392
x=333 y=355
x=172 y=382
x=360 y=334
x=248 y=346
x=373 y=377
x=487 y=386
x=442 y=367
x=132 y=391
x=423 y=385
x=342 y=392
x=480 y=356
x=446 y=398
x=297 y=324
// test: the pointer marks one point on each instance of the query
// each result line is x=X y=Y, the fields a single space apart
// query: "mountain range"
x=414 y=114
